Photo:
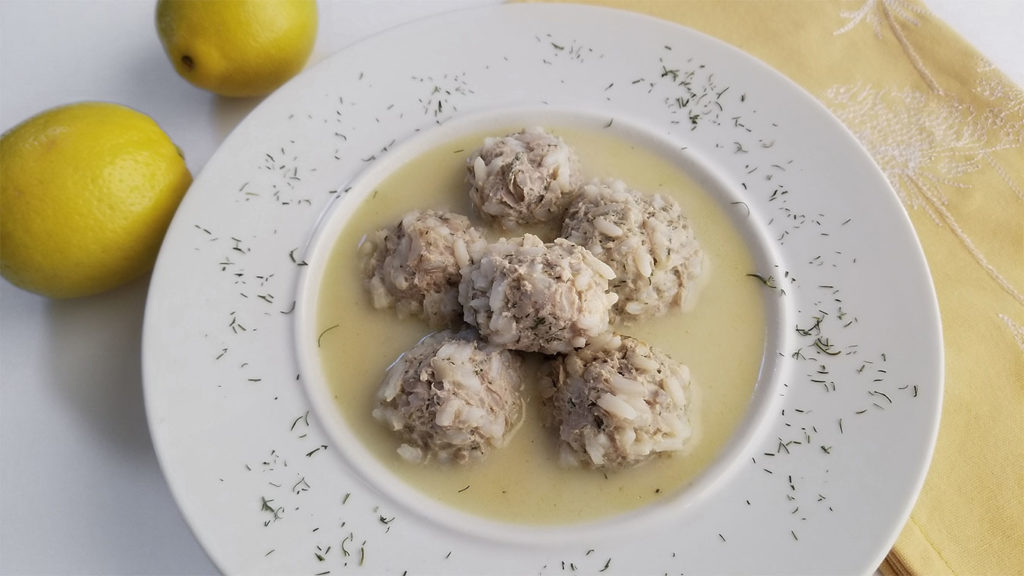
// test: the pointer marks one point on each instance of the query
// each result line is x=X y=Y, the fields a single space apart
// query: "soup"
x=719 y=336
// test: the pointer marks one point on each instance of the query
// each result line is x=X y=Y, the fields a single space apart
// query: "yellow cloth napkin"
x=948 y=130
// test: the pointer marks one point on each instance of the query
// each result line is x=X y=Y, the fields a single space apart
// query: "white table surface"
x=80 y=488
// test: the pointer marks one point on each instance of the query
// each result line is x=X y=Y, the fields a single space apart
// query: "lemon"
x=86 y=194
x=237 y=47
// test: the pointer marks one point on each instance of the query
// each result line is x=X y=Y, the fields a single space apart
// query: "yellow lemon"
x=237 y=47
x=86 y=193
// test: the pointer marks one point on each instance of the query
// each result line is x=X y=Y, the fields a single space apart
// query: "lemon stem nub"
x=187 y=61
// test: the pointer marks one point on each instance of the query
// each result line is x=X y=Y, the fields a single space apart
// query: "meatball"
x=645 y=239
x=414 y=266
x=523 y=178
x=526 y=295
x=617 y=402
x=452 y=398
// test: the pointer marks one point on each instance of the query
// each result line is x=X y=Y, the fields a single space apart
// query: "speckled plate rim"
x=251 y=468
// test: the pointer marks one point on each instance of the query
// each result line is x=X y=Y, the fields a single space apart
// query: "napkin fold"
x=947 y=128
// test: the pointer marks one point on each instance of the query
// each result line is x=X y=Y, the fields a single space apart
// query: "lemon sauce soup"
x=720 y=336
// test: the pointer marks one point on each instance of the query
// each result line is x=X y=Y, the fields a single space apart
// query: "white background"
x=80 y=488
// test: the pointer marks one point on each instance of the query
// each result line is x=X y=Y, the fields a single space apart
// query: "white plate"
x=819 y=479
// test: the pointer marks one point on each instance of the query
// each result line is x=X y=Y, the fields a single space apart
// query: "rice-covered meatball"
x=617 y=402
x=414 y=266
x=523 y=178
x=645 y=239
x=452 y=398
x=526 y=295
